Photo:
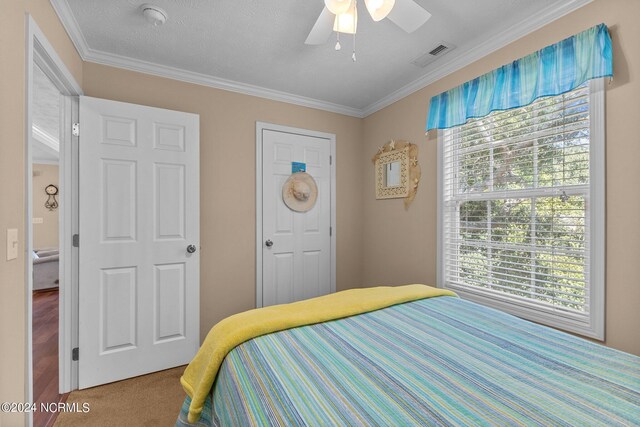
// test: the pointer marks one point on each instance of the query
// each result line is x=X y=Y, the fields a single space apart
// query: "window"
x=521 y=211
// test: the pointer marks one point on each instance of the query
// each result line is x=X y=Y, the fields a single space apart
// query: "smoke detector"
x=153 y=14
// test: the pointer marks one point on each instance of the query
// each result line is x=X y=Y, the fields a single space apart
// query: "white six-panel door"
x=298 y=264
x=139 y=212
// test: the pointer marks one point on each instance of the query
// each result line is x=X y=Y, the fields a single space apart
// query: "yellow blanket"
x=199 y=376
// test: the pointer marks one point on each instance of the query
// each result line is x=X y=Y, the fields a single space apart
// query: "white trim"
x=454 y=61
x=598 y=209
x=39 y=51
x=45 y=138
x=217 y=82
x=461 y=58
x=520 y=308
x=99 y=57
x=28 y=201
x=69 y=214
x=38 y=161
x=47 y=144
x=49 y=61
x=439 y=214
x=331 y=138
x=259 y=128
x=71 y=25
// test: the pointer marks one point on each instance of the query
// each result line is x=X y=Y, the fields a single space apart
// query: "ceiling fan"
x=341 y=16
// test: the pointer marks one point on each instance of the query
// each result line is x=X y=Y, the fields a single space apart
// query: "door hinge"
x=75 y=129
x=330 y=160
x=330 y=231
x=75 y=354
x=76 y=241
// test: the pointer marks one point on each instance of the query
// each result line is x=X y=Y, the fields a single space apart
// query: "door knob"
x=268 y=243
x=191 y=248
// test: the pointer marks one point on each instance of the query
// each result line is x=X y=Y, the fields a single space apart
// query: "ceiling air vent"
x=440 y=49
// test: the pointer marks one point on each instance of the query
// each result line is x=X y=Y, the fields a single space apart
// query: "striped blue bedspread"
x=437 y=361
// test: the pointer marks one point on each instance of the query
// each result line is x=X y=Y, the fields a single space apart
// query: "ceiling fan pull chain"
x=355 y=14
x=353 y=55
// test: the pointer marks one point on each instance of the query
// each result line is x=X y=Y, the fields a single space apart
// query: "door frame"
x=331 y=139
x=40 y=51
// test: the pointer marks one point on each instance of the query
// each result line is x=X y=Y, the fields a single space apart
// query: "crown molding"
x=87 y=54
x=216 y=82
x=45 y=138
x=455 y=61
x=47 y=144
x=42 y=161
x=62 y=9
x=460 y=59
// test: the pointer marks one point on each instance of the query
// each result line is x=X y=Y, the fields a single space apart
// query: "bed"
x=433 y=361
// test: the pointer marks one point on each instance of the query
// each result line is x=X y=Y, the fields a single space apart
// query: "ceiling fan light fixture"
x=347 y=22
x=338 y=6
x=379 y=9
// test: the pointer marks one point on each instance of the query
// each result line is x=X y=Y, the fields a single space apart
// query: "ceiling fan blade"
x=408 y=15
x=322 y=29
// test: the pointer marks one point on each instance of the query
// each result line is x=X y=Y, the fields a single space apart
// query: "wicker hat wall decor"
x=300 y=192
x=414 y=172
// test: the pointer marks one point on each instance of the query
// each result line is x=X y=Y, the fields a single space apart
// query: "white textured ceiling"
x=260 y=43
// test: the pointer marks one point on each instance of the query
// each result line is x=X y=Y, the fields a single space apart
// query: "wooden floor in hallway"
x=45 y=355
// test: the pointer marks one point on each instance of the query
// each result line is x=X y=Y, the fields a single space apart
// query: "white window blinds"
x=516 y=211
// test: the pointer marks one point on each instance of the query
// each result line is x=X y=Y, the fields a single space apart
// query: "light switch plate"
x=12 y=243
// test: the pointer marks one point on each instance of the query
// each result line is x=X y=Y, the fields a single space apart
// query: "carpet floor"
x=149 y=400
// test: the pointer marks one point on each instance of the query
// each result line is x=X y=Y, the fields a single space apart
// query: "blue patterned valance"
x=553 y=70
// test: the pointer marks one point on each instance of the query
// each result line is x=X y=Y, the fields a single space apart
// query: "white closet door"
x=296 y=250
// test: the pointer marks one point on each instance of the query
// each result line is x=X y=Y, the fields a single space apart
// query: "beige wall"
x=227 y=178
x=378 y=241
x=413 y=233
x=45 y=235
x=12 y=166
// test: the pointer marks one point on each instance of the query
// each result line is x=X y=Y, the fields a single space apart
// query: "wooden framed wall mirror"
x=392 y=174
x=397 y=171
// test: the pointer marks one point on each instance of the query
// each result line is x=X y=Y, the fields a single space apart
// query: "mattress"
x=436 y=361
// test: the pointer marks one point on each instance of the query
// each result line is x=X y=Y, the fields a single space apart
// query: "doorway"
x=45 y=243
x=295 y=248
x=51 y=289
x=45 y=255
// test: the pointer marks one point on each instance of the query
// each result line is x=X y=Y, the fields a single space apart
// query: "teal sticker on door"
x=298 y=167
